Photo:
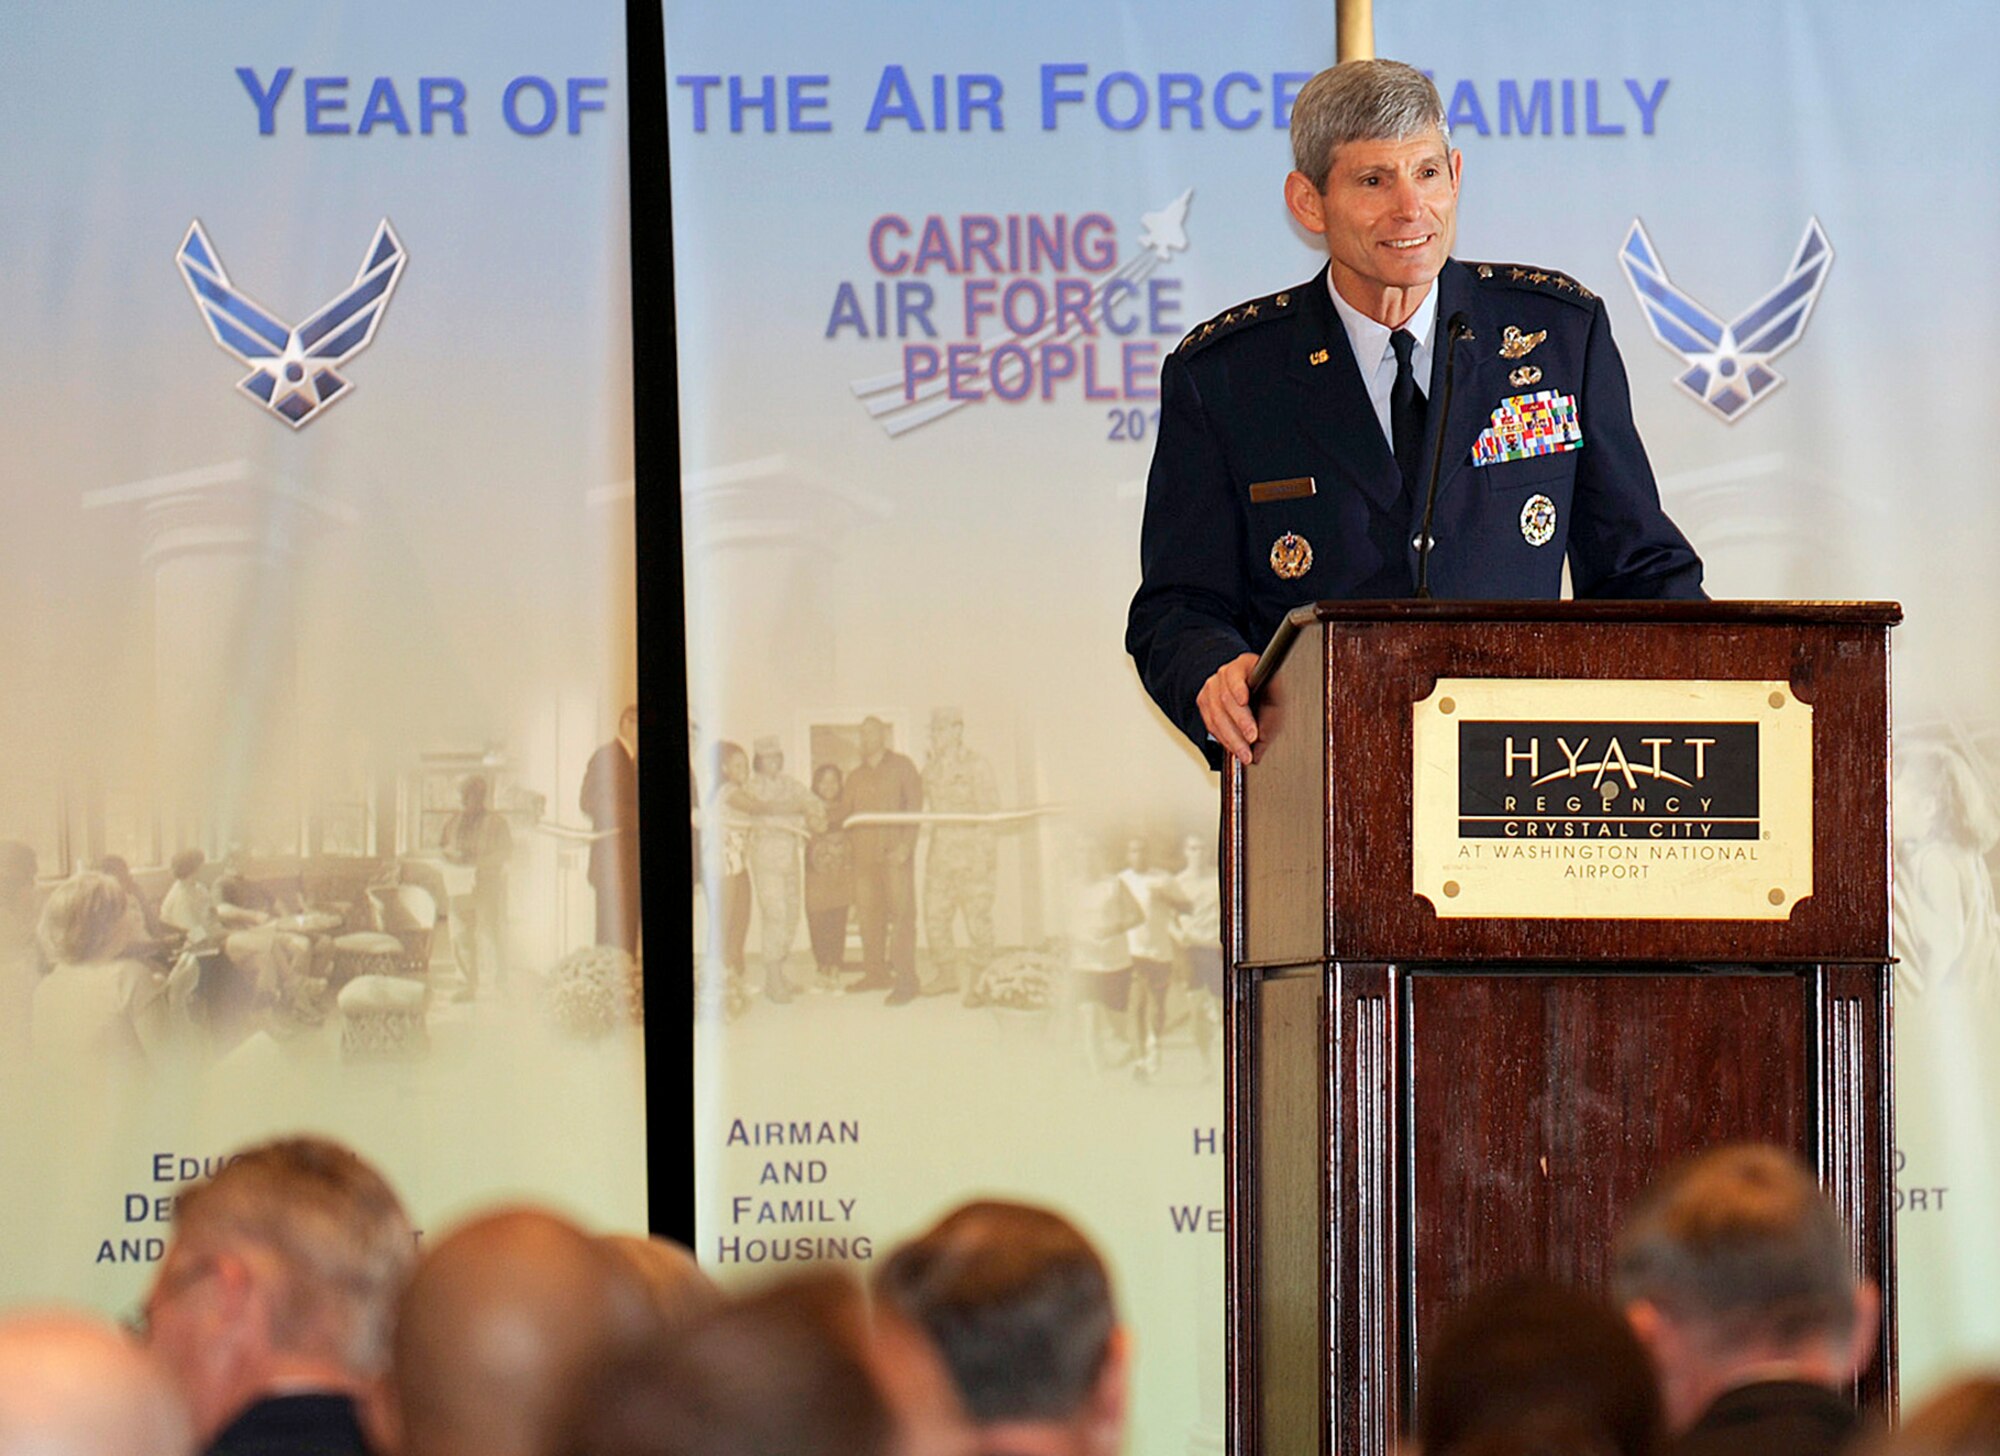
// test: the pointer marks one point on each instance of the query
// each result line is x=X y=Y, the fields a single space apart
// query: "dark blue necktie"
x=1406 y=410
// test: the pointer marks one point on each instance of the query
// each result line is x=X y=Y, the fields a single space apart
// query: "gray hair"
x=1741 y=1242
x=1361 y=101
x=340 y=1242
x=1017 y=1303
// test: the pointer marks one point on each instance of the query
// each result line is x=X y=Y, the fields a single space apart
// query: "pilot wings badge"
x=292 y=369
x=1729 y=366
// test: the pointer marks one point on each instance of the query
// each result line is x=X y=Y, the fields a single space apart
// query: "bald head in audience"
x=1962 y=1419
x=672 y=1278
x=500 y=1324
x=71 y=1385
x=1530 y=1366
x=794 y=1367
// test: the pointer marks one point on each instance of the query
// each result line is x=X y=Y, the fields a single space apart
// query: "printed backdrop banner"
x=927 y=265
x=315 y=605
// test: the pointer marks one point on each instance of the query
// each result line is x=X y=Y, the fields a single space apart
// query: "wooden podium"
x=1653 y=840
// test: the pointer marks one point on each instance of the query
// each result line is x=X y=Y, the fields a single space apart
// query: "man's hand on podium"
x=1224 y=702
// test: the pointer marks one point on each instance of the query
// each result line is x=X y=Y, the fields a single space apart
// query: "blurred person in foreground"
x=1019 y=1305
x=273 y=1307
x=795 y=1368
x=1737 y=1274
x=668 y=1272
x=1962 y=1419
x=1530 y=1368
x=73 y=1385
x=501 y=1323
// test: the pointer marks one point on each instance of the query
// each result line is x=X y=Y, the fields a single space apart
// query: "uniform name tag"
x=1526 y=425
x=1297 y=488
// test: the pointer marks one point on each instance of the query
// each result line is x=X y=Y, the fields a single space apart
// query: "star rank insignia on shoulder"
x=1535 y=280
x=1235 y=320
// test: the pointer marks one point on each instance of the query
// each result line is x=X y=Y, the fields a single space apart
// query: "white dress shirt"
x=1377 y=360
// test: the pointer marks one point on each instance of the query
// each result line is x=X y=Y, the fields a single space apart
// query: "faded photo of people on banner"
x=957 y=929
x=320 y=636
x=898 y=870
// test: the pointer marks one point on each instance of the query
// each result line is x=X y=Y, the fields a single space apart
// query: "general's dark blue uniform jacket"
x=1268 y=395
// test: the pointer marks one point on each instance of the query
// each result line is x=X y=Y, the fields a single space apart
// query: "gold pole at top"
x=1354 y=29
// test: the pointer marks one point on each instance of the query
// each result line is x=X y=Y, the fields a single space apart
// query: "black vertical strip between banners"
x=665 y=852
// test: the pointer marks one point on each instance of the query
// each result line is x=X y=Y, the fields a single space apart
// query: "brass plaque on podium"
x=1582 y=799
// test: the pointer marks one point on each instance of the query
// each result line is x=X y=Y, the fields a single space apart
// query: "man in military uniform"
x=958 y=867
x=775 y=863
x=1298 y=431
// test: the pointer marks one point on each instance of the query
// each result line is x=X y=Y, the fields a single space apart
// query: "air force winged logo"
x=1728 y=364
x=293 y=369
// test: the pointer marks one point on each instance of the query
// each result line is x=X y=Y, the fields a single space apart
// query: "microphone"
x=1458 y=328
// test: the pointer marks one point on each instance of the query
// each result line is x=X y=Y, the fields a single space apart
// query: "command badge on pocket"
x=1538 y=520
x=1291 y=556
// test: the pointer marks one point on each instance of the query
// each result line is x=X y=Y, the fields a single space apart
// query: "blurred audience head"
x=281 y=1276
x=1963 y=1419
x=668 y=1273
x=1531 y=1368
x=794 y=1367
x=73 y=1385
x=1019 y=1306
x=1735 y=1264
x=500 y=1324
x=187 y=862
x=84 y=920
